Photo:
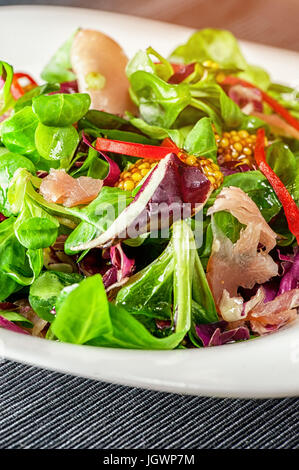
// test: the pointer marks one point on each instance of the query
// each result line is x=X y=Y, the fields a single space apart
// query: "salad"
x=149 y=203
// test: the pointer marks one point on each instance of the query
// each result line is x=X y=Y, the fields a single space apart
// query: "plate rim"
x=47 y=352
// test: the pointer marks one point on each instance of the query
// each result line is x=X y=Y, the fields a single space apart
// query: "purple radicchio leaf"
x=290 y=278
x=172 y=191
x=229 y=168
x=270 y=290
x=114 y=171
x=120 y=260
x=248 y=99
x=67 y=87
x=95 y=262
x=122 y=267
x=41 y=174
x=163 y=324
x=7 y=306
x=110 y=277
x=113 y=265
x=214 y=334
x=9 y=325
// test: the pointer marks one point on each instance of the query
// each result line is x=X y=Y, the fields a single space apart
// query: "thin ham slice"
x=277 y=124
x=241 y=264
x=100 y=67
x=241 y=206
x=267 y=317
x=61 y=188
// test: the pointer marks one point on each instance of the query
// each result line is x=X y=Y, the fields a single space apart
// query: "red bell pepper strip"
x=291 y=209
x=230 y=80
x=170 y=143
x=133 y=149
x=25 y=75
x=17 y=89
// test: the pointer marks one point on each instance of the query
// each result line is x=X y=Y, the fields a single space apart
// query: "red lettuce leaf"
x=9 y=325
x=215 y=334
x=290 y=278
x=172 y=191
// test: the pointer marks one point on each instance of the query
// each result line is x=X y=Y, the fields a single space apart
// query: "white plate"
x=264 y=367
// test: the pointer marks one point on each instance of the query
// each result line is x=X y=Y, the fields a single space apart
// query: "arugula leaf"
x=59 y=69
x=46 y=289
x=61 y=110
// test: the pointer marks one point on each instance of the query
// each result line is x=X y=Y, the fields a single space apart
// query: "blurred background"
x=272 y=22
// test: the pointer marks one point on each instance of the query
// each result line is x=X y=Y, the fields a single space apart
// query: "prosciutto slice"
x=241 y=206
x=267 y=317
x=242 y=264
x=61 y=188
x=278 y=125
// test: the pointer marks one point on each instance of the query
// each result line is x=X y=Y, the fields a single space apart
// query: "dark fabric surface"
x=47 y=410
